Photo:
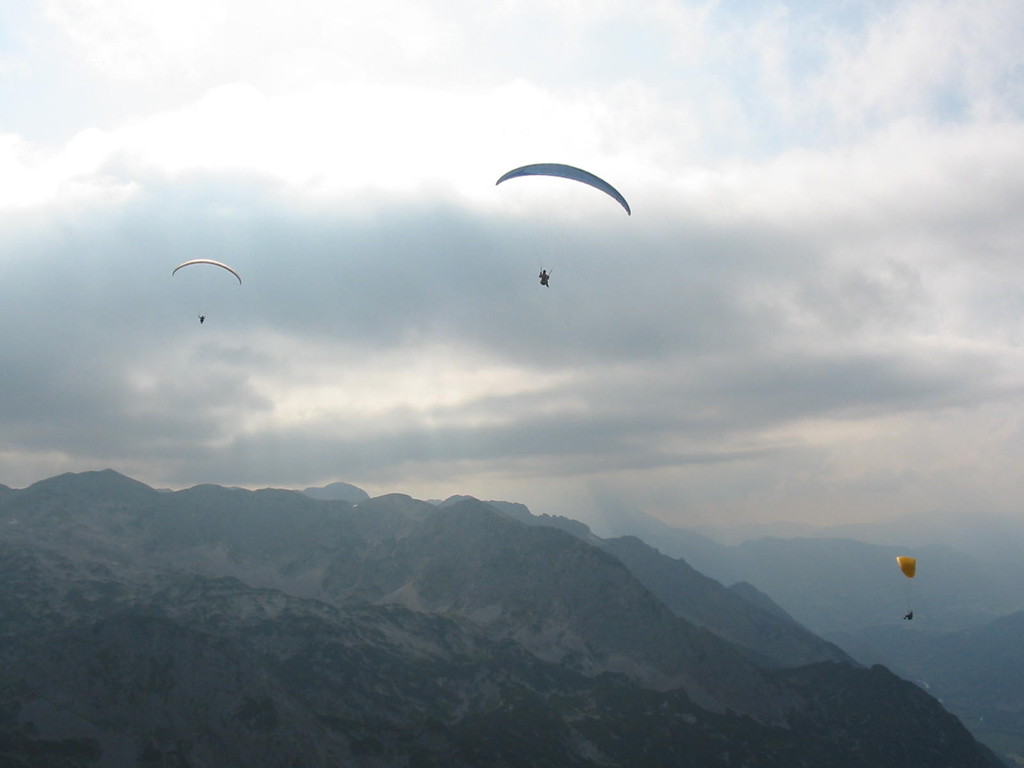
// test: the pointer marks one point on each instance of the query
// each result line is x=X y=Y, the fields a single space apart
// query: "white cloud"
x=148 y=41
x=324 y=388
x=814 y=304
x=949 y=60
x=329 y=139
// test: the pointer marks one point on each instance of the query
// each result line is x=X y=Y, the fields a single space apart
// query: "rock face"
x=740 y=614
x=222 y=627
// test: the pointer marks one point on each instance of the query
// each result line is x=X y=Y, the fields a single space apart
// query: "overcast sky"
x=815 y=312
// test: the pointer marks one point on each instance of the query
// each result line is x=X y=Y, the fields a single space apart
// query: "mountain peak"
x=105 y=482
x=338 y=492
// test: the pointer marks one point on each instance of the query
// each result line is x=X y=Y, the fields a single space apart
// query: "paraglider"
x=211 y=262
x=563 y=171
x=908 y=565
x=208 y=261
x=567 y=172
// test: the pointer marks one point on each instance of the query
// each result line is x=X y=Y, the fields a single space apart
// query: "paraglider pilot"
x=544 y=277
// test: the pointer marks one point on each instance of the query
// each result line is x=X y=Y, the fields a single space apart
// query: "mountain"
x=753 y=595
x=970 y=570
x=522 y=513
x=699 y=550
x=338 y=492
x=835 y=586
x=978 y=673
x=989 y=536
x=223 y=627
x=774 y=637
x=969 y=581
x=741 y=614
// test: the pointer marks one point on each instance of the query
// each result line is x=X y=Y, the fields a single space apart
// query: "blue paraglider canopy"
x=567 y=172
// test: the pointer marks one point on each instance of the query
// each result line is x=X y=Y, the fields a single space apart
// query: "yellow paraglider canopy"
x=908 y=565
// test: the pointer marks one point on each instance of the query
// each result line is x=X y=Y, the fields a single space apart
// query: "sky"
x=815 y=312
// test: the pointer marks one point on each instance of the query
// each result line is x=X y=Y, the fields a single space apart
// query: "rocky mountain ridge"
x=227 y=627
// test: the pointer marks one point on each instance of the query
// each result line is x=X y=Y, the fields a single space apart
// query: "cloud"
x=814 y=306
x=204 y=42
x=394 y=344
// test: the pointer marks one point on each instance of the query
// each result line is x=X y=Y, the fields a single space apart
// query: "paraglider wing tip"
x=510 y=175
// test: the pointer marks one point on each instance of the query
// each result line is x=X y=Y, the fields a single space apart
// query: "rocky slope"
x=221 y=627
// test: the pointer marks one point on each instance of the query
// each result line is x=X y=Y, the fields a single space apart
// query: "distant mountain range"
x=225 y=627
x=837 y=585
x=970 y=585
x=991 y=537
